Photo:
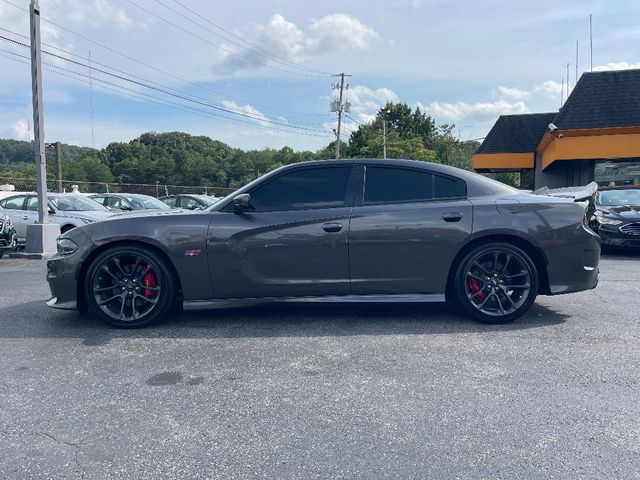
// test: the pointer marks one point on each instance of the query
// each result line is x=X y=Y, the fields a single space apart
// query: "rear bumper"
x=572 y=266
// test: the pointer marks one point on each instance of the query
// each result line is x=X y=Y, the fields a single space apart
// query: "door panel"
x=406 y=247
x=14 y=208
x=285 y=253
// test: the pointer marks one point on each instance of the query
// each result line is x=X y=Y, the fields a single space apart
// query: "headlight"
x=66 y=246
x=602 y=220
x=87 y=220
x=7 y=222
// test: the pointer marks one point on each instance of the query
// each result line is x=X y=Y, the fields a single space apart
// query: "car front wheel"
x=129 y=287
x=496 y=283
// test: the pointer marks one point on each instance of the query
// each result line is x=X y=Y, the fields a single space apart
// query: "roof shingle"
x=601 y=100
x=516 y=133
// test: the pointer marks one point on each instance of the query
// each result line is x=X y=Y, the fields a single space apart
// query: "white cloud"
x=616 y=66
x=249 y=110
x=339 y=33
x=365 y=101
x=331 y=34
x=548 y=88
x=94 y=13
x=513 y=93
x=20 y=129
x=455 y=111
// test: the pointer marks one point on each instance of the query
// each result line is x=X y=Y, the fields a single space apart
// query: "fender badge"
x=192 y=252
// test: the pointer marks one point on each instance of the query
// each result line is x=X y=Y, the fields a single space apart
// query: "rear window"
x=391 y=185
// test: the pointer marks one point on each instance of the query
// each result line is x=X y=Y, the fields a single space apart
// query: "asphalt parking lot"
x=323 y=392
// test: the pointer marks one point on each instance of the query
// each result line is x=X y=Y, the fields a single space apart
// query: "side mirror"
x=51 y=211
x=242 y=201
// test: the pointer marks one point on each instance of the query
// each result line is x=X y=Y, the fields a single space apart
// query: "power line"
x=353 y=119
x=129 y=92
x=151 y=67
x=254 y=49
x=165 y=91
x=220 y=47
x=92 y=61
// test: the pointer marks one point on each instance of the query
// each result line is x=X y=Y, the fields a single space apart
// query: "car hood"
x=153 y=213
x=626 y=212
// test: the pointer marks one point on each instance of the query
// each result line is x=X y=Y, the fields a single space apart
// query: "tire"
x=129 y=287
x=496 y=283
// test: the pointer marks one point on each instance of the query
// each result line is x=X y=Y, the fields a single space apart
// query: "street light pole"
x=41 y=236
x=38 y=116
x=384 y=138
x=383 y=112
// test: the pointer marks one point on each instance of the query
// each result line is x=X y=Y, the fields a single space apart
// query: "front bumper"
x=61 y=276
x=8 y=240
x=613 y=237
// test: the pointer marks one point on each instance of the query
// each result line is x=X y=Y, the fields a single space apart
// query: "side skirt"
x=377 y=298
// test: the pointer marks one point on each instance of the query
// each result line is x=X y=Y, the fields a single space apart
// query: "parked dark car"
x=129 y=201
x=335 y=231
x=190 y=202
x=617 y=216
x=7 y=234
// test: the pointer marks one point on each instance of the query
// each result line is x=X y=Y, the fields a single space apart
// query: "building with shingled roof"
x=594 y=136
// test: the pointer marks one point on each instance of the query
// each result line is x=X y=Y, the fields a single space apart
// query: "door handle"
x=332 y=227
x=451 y=216
x=25 y=217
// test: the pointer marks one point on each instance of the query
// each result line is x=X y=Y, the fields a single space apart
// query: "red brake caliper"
x=474 y=286
x=149 y=280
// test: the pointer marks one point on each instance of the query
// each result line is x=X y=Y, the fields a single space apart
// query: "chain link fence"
x=154 y=190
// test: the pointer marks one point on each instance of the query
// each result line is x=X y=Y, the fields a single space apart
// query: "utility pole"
x=339 y=109
x=59 y=166
x=383 y=112
x=41 y=237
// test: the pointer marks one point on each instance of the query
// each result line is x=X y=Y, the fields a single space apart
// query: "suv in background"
x=7 y=233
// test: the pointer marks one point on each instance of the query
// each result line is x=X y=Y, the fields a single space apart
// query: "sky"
x=257 y=73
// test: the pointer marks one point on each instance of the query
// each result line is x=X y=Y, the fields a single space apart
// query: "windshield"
x=145 y=202
x=68 y=203
x=208 y=201
x=619 y=197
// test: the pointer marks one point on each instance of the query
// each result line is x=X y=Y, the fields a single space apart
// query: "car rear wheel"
x=496 y=283
x=129 y=287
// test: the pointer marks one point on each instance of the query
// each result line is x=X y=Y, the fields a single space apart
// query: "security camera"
x=552 y=127
x=561 y=135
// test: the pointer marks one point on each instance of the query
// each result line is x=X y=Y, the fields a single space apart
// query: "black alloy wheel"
x=496 y=283
x=129 y=287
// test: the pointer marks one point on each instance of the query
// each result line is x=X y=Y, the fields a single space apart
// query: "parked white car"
x=66 y=209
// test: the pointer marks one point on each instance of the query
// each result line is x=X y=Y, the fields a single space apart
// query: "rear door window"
x=14 y=203
x=171 y=201
x=395 y=185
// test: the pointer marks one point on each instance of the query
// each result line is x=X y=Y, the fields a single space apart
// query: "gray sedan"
x=335 y=231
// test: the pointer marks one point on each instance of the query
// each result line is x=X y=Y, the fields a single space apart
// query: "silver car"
x=66 y=209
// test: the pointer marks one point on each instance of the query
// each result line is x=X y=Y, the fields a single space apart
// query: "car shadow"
x=632 y=254
x=268 y=321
